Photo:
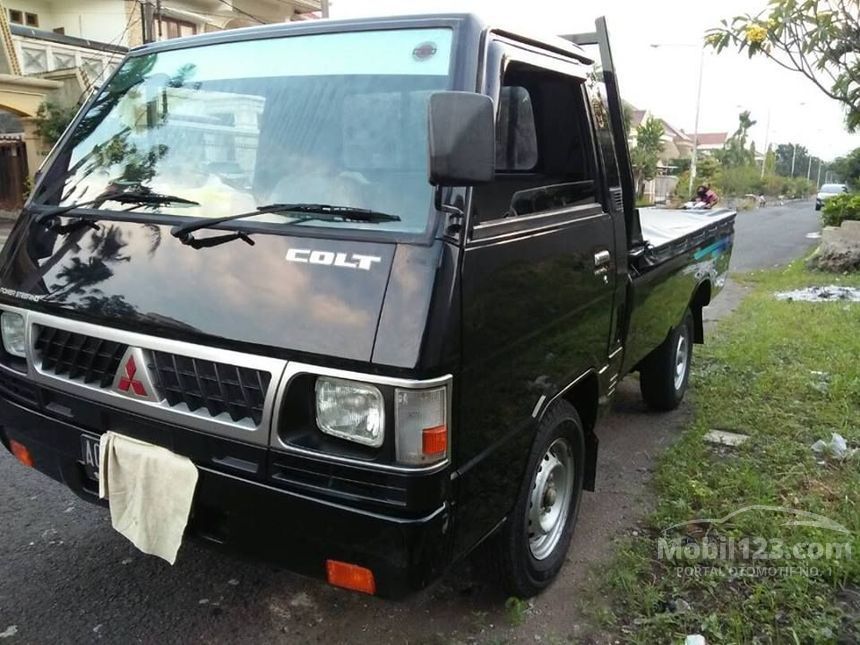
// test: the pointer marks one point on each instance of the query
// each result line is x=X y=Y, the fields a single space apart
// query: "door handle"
x=602 y=258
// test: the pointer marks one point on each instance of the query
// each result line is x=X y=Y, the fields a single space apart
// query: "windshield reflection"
x=322 y=121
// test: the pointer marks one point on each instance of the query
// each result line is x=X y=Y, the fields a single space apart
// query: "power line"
x=135 y=19
x=131 y=22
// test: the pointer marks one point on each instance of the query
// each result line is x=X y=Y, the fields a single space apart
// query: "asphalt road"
x=66 y=577
x=769 y=236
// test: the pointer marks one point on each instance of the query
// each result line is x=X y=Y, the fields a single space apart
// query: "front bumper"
x=293 y=528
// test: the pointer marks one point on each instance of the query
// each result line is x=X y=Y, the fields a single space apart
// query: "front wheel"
x=665 y=373
x=532 y=546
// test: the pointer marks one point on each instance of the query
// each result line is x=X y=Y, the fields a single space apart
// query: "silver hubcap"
x=682 y=352
x=549 y=503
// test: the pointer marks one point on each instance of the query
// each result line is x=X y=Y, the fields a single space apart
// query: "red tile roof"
x=712 y=138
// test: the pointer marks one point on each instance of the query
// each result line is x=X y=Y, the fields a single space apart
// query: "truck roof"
x=474 y=22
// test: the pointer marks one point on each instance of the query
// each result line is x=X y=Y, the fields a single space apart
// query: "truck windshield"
x=326 y=118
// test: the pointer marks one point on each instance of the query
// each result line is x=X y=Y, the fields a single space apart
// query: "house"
x=59 y=50
x=49 y=35
x=710 y=141
x=676 y=145
x=189 y=17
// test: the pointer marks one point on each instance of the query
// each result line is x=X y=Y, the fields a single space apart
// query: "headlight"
x=350 y=410
x=421 y=419
x=12 y=330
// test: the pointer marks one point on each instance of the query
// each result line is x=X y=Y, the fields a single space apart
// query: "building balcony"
x=188 y=17
x=40 y=52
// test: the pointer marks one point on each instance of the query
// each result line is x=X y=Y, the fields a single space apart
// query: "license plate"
x=90 y=453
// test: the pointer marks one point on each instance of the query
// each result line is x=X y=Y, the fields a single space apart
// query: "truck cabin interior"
x=544 y=156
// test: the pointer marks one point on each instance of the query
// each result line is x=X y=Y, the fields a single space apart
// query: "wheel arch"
x=584 y=395
x=701 y=299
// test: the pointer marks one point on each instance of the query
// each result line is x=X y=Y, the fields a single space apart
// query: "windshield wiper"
x=137 y=198
x=306 y=212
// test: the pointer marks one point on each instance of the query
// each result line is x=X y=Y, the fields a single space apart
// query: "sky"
x=663 y=79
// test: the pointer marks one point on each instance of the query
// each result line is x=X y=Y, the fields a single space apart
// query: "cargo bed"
x=662 y=226
x=671 y=231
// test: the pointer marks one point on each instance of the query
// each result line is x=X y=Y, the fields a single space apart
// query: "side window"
x=545 y=157
x=516 y=136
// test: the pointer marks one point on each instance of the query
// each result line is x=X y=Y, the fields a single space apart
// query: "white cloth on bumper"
x=150 y=490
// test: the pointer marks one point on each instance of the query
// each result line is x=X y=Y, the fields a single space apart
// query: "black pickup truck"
x=377 y=279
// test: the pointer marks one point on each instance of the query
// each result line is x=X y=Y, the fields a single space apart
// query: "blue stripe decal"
x=712 y=249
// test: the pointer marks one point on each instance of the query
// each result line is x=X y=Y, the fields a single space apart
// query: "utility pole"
x=325 y=8
x=158 y=18
x=809 y=168
x=147 y=14
x=793 y=158
x=695 y=154
x=818 y=181
x=766 y=142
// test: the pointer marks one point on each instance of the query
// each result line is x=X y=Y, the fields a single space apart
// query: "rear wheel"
x=665 y=374
x=532 y=546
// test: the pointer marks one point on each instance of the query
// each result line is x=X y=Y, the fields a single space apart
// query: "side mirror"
x=461 y=138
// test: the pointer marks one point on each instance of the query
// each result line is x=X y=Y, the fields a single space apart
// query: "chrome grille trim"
x=243 y=430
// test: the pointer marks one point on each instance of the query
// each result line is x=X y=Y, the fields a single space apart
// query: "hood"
x=288 y=292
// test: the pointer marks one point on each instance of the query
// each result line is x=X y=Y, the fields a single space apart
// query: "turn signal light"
x=21 y=452
x=421 y=425
x=434 y=441
x=350 y=576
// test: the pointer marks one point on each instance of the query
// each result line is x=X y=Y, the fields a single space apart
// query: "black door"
x=538 y=276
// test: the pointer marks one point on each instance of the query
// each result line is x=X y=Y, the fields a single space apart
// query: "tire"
x=817 y=207
x=665 y=373
x=527 y=554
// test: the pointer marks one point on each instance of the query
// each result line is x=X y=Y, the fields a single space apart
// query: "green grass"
x=755 y=376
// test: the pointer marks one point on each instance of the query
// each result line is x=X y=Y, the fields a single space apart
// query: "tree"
x=52 y=120
x=707 y=170
x=847 y=168
x=627 y=110
x=785 y=153
x=682 y=164
x=819 y=39
x=735 y=153
x=770 y=161
x=646 y=153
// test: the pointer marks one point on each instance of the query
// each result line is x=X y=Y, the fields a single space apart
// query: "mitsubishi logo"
x=132 y=378
x=129 y=382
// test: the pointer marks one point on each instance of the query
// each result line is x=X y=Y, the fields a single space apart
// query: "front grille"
x=217 y=388
x=78 y=357
x=240 y=392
